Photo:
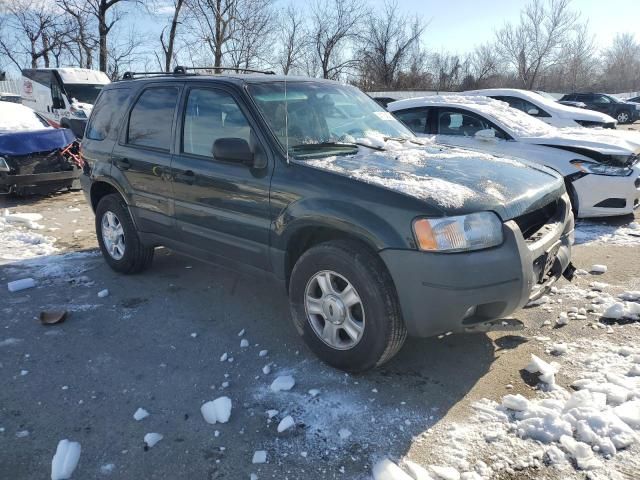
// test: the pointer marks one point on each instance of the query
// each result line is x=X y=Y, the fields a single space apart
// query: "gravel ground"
x=156 y=340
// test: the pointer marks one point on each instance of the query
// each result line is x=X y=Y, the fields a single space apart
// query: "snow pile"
x=18 y=241
x=15 y=117
x=218 y=410
x=590 y=232
x=65 y=460
x=591 y=426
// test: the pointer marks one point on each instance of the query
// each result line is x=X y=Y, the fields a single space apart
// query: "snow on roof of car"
x=15 y=117
x=514 y=121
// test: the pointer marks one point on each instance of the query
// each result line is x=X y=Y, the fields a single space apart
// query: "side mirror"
x=234 y=150
x=533 y=111
x=486 y=134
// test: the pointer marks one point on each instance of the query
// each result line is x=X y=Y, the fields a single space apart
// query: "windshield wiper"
x=313 y=146
x=403 y=140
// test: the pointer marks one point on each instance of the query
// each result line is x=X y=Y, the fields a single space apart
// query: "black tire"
x=623 y=116
x=384 y=332
x=573 y=197
x=136 y=257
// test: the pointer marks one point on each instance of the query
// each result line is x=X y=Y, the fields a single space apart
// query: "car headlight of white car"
x=4 y=167
x=458 y=234
x=602 y=169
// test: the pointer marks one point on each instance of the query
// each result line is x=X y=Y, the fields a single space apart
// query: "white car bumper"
x=603 y=196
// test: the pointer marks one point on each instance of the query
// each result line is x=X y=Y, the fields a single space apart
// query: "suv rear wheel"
x=344 y=304
x=118 y=238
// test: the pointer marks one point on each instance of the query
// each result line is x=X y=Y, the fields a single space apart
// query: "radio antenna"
x=286 y=120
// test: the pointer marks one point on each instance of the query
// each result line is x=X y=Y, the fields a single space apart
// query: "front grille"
x=38 y=163
x=532 y=222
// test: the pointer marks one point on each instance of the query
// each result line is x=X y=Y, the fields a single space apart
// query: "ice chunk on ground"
x=314 y=392
x=286 y=423
x=241 y=332
x=629 y=413
x=598 y=268
x=547 y=371
x=218 y=410
x=65 y=460
x=140 y=414
x=283 y=382
x=253 y=476
x=562 y=319
x=263 y=353
x=22 y=284
x=445 y=473
x=103 y=293
x=266 y=369
x=107 y=469
x=344 y=433
x=387 y=470
x=555 y=456
x=559 y=348
x=152 y=438
x=272 y=413
x=224 y=357
x=581 y=452
x=515 y=402
x=244 y=343
x=259 y=456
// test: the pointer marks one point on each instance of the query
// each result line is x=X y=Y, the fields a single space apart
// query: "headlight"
x=458 y=234
x=638 y=106
x=4 y=167
x=602 y=169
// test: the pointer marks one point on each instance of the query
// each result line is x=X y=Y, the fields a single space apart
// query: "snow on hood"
x=15 y=117
x=607 y=142
x=453 y=178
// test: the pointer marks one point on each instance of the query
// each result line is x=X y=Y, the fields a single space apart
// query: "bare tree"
x=80 y=34
x=622 y=63
x=250 y=42
x=386 y=44
x=293 y=37
x=533 y=44
x=33 y=30
x=216 y=22
x=168 y=39
x=335 y=23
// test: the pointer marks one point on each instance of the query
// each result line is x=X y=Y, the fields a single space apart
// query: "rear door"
x=221 y=208
x=142 y=157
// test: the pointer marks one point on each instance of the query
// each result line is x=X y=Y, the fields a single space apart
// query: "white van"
x=64 y=96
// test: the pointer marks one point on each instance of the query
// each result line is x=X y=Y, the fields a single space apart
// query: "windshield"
x=325 y=118
x=83 y=92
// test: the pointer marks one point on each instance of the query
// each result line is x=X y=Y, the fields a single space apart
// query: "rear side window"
x=151 y=118
x=106 y=114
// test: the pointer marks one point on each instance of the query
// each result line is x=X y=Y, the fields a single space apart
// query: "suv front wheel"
x=344 y=304
x=623 y=117
x=118 y=238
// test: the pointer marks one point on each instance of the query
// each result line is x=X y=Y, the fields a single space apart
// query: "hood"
x=574 y=113
x=454 y=180
x=28 y=142
x=605 y=142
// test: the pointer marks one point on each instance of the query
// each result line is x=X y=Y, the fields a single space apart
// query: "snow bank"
x=65 y=460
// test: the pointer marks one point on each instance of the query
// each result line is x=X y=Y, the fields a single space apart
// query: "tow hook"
x=569 y=272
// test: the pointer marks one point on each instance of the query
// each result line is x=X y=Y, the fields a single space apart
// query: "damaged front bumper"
x=457 y=292
x=39 y=182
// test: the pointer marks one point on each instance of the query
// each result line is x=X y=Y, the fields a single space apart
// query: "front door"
x=221 y=207
x=142 y=157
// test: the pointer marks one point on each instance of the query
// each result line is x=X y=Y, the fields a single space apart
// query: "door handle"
x=187 y=177
x=123 y=163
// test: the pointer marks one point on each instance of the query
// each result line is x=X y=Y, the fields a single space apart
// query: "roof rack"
x=216 y=70
x=132 y=75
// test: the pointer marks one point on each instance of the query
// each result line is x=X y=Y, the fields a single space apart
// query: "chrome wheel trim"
x=113 y=235
x=623 y=117
x=334 y=310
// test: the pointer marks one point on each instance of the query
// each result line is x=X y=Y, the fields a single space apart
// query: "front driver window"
x=601 y=99
x=463 y=124
x=524 y=106
x=209 y=116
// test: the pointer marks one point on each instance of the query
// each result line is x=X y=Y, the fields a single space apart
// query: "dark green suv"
x=374 y=233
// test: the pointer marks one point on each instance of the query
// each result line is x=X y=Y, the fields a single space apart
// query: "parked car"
x=547 y=109
x=601 y=171
x=34 y=157
x=634 y=100
x=384 y=101
x=622 y=111
x=374 y=233
x=573 y=104
x=64 y=96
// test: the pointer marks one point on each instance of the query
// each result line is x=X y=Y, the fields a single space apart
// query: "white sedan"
x=600 y=167
x=546 y=108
